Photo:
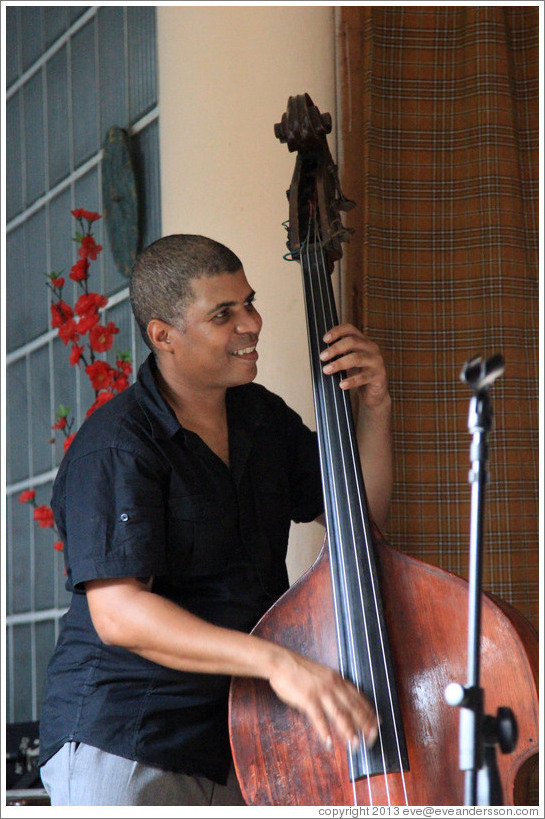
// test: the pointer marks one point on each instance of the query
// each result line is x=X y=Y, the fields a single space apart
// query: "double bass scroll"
x=392 y=624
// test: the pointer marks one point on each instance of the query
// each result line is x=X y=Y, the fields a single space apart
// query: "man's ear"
x=159 y=334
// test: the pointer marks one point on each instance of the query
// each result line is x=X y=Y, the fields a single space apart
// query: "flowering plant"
x=73 y=324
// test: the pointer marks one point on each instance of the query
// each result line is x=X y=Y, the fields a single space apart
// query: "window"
x=72 y=72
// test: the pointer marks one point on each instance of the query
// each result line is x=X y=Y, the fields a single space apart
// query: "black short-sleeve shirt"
x=137 y=495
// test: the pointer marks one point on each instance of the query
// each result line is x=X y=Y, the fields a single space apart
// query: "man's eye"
x=221 y=316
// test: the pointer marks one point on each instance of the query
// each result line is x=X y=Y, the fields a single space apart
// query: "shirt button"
x=124 y=517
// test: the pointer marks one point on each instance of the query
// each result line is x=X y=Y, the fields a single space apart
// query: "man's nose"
x=249 y=323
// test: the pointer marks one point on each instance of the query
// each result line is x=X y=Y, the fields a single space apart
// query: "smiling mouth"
x=244 y=351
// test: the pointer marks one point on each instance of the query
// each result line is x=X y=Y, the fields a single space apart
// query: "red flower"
x=103 y=397
x=78 y=271
x=60 y=313
x=89 y=248
x=27 y=496
x=88 y=302
x=43 y=515
x=87 y=321
x=89 y=215
x=76 y=354
x=68 y=331
x=100 y=374
x=125 y=366
x=120 y=382
x=87 y=306
x=72 y=323
x=68 y=440
x=101 y=338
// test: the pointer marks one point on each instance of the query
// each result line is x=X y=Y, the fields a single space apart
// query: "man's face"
x=215 y=342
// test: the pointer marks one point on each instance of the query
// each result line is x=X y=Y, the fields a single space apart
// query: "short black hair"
x=160 y=282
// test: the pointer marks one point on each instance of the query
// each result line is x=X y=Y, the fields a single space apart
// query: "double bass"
x=394 y=625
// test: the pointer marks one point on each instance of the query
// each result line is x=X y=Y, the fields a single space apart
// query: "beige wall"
x=225 y=75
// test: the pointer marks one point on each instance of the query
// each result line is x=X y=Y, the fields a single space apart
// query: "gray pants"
x=81 y=775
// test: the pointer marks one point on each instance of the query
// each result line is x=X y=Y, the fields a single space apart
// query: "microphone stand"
x=479 y=733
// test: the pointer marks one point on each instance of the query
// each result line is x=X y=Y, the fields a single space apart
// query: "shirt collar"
x=162 y=419
x=244 y=412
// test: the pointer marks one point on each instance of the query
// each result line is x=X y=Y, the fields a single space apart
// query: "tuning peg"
x=343 y=204
x=322 y=123
x=280 y=130
x=302 y=124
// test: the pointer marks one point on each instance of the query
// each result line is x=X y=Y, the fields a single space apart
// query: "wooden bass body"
x=281 y=761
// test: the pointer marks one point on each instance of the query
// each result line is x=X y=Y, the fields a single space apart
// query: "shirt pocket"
x=202 y=536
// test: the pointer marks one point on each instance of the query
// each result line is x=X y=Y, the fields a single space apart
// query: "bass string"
x=343 y=411
x=343 y=416
x=327 y=320
x=341 y=398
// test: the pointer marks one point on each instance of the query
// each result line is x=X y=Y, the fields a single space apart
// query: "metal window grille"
x=71 y=72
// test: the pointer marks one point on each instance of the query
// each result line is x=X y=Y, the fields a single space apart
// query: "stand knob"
x=455 y=694
x=506 y=730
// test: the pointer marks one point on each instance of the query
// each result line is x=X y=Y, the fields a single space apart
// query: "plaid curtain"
x=439 y=130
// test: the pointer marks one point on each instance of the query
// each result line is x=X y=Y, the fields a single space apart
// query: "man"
x=174 y=502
